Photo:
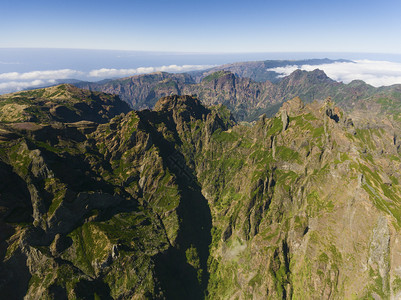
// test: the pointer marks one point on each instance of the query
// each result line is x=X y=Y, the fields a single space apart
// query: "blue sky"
x=93 y=40
x=204 y=26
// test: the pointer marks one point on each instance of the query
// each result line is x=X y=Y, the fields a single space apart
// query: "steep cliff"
x=181 y=202
x=246 y=98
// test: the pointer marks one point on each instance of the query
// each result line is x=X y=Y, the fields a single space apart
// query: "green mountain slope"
x=181 y=202
x=63 y=103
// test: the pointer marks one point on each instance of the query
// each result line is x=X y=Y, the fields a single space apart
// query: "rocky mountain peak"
x=314 y=76
x=218 y=76
x=293 y=106
x=184 y=105
x=332 y=111
x=319 y=74
x=182 y=202
x=290 y=108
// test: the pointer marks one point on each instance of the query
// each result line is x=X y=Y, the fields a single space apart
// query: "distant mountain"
x=259 y=70
x=256 y=70
x=142 y=91
x=247 y=99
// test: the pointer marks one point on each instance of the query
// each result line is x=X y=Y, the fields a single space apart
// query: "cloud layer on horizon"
x=376 y=73
x=143 y=70
x=41 y=75
x=14 y=81
x=20 y=85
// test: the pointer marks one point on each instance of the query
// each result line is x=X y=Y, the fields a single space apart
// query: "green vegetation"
x=318 y=132
x=214 y=76
x=224 y=136
x=275 y=126
x=378 y=286
x=19 y=156
x=91 y=244
x=181 y=203
x=396 y=284
x=193 y=259
x=365 y=135
x=166 y=84
x=287 y=154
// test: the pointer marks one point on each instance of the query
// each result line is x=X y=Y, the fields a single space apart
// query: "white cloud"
x=35 y=75
x=143 y=70
x=376 y=73
x=118 y=72
x=15 y=81
x=12 y=86
x=284 y=71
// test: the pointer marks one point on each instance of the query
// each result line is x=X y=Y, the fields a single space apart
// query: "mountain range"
x=261 y=71
x=245 y=98
x=186 y=200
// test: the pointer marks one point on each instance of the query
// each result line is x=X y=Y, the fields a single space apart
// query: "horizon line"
x=198 y=52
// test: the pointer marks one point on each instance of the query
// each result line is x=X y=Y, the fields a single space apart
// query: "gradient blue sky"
x=204 y=26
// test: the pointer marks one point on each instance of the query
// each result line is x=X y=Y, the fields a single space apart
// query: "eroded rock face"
x=183 y=202
x=248 y=99
x=379 y=250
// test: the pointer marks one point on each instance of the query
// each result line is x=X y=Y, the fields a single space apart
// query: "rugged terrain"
x=247 y=99
x=260 y=71
x=182 y=202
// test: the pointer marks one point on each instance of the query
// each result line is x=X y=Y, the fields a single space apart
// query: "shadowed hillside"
x=182 y=202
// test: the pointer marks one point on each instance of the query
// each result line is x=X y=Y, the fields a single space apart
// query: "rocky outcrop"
x=261 y=71
x=142 y=91
x=63 y=103
x=246 y=98
x=183 y=202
